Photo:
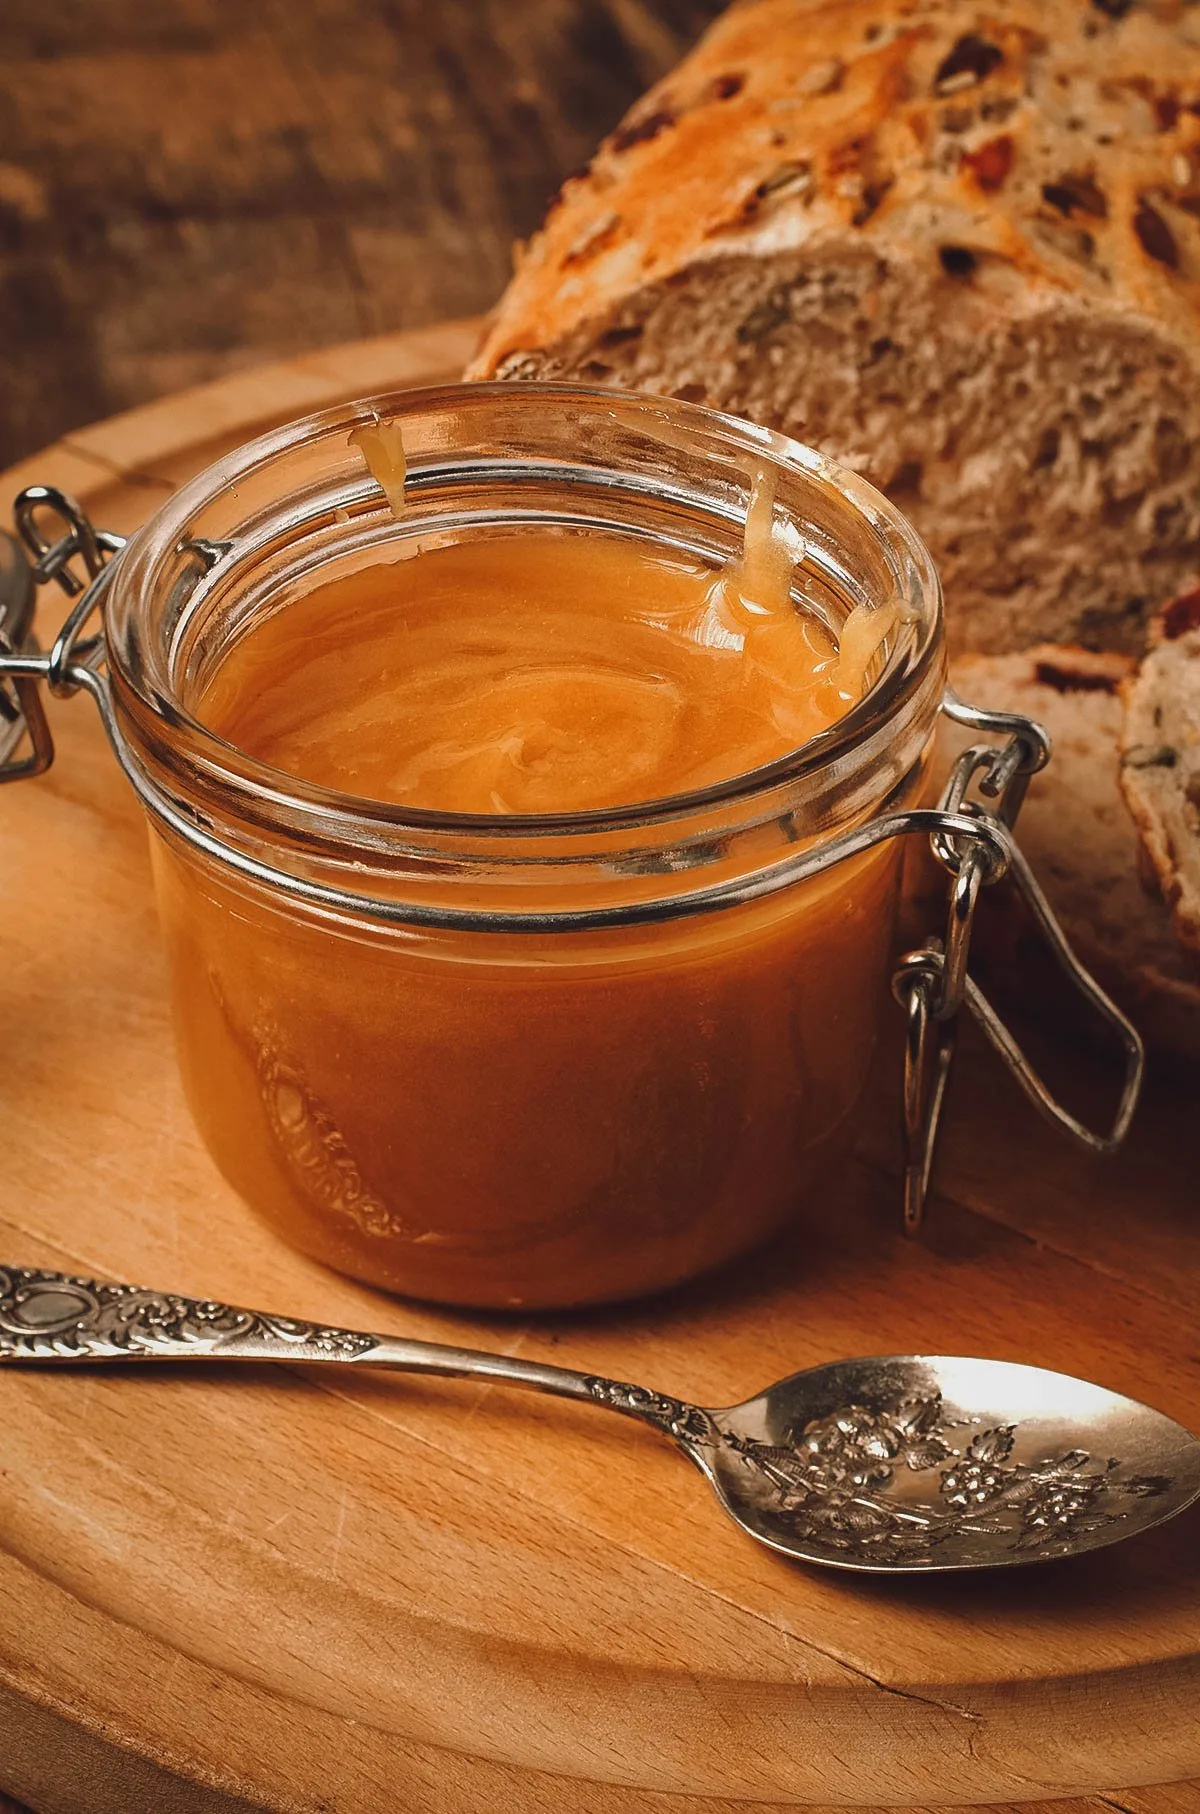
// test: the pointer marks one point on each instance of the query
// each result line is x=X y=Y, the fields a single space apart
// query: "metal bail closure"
x=25 y=564
x=928 y=1056
x=22 y=719
x=932 y=983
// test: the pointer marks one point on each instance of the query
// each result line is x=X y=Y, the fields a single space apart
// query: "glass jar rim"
x=146 y=687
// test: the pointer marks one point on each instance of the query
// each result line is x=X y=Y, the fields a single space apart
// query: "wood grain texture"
x=294 y=1591
x=191 y=188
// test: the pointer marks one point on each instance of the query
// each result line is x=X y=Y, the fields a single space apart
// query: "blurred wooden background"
x=191 y=186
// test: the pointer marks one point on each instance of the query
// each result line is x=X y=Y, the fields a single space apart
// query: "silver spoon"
x=894 y=1464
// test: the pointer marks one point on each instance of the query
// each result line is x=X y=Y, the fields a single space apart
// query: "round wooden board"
x=292 y=1591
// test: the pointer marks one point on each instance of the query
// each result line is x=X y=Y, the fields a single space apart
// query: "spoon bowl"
x=895 y=1464
x=935 y=1463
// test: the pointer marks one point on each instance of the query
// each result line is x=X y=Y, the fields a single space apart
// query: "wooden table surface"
x=191 y=187
x=207 y=1592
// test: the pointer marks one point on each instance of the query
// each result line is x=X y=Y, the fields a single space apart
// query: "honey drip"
x=381 y=445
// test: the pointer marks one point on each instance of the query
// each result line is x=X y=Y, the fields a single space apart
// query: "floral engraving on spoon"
x=834 y=1483
x=43 y=1314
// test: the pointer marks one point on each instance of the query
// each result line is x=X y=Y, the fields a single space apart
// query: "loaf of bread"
x=1160 y=760
x=1080 y=838
x=954 y=243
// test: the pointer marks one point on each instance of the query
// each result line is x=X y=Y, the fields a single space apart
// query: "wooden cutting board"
x=290 y=1591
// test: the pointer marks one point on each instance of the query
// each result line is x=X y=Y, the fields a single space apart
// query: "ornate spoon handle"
x=53 y=1319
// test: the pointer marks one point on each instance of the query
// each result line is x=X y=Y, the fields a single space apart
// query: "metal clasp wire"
x=933 y=983
x=970 y=837
x=24 y=668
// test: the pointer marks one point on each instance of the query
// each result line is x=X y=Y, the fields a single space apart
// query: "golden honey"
x=531 y=1015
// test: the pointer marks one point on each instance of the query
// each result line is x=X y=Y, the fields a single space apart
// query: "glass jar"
x=518 y=1061
x=531 y=1061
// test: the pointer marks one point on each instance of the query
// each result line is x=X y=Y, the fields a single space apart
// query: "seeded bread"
x=1078 y=834
x=1160 y=760
x=955 y=244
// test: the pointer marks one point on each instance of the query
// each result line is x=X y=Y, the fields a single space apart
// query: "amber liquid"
x=530 y=1119
x=550 y=673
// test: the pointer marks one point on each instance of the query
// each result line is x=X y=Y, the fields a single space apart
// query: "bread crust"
x=1058 y=139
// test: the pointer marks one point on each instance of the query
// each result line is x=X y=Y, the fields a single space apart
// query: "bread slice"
x=954 y=243
x=1160 y=760
x=1078 y=834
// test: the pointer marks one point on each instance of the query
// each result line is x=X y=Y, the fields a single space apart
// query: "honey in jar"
x=550 y=672
x=579 y=1038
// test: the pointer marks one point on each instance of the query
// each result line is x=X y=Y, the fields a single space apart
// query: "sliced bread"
x=1078 y=834
x=1160 y=760
x=954 y=243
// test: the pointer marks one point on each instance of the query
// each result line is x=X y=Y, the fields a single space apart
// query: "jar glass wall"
x=533 y=1060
